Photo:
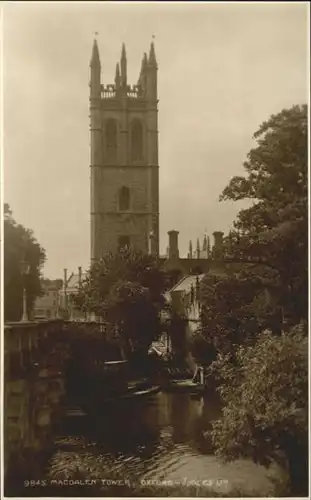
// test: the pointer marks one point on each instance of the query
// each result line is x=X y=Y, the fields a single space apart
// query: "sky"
x=224 y=68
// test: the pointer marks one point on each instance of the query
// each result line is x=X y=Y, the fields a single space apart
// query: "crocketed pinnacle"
x=123 y=52
x=152 y=57
x=95 y=60
x=123 y=67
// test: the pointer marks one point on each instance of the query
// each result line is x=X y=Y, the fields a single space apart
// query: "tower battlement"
x=111 y=91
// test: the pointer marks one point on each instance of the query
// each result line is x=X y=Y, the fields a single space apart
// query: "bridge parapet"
x=34 y=384
x=36 y=376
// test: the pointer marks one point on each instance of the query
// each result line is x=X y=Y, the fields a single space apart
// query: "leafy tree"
x=265 y=414
x=265 y=280
x=236 y=306
x=126 y=290
x=272 y=233
x=20 y=246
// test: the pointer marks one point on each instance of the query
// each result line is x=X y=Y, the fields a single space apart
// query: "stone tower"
x=124 y=158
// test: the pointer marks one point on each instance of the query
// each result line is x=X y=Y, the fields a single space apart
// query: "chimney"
x=65 y=289
x=190 y=249
x=173 y=252
x=218 y=244
x=80 y=275
x=208 y=247
x=198 y=251
x=65 y=279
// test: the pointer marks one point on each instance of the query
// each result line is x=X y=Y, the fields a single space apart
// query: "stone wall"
x=33 y=386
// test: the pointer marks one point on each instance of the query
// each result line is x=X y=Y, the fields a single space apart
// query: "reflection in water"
x=157 y=439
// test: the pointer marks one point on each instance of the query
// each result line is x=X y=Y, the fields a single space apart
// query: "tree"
x=265 y=414
x=203 y=349
x=20 y=246
x=236 y=306
x=273 y=232
x=126 y=290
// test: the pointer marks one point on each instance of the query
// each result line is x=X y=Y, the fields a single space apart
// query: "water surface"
x=150 y=447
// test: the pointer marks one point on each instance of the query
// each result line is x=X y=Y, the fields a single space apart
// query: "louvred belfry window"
x=136 y=140
x=111 y=140
x=124 y=198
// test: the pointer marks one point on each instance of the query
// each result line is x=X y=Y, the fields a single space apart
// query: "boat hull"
x=184 y=386
x=139 y=394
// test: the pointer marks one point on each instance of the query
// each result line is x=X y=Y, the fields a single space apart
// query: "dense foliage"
x=265 y=282
x=273 y=232
x=126 y=290
x=20 y=246
x=265 y=393
x=236 y=306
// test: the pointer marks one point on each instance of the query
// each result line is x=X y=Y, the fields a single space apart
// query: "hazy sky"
x=223 y=69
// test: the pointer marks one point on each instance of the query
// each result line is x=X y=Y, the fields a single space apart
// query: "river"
x=152 y=447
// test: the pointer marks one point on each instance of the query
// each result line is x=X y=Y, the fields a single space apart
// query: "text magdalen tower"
x=124 y=158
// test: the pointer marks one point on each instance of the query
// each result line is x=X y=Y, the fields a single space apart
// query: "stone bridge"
x=35 y=358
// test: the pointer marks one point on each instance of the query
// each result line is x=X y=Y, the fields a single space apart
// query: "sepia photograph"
x=155 y=249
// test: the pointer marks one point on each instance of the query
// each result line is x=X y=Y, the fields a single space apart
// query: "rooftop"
x=187 y=282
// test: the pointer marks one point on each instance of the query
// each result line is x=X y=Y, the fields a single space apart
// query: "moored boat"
x=136 y=394
x=186 y=385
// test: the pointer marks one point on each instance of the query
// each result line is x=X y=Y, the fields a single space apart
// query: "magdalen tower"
x=124 y=158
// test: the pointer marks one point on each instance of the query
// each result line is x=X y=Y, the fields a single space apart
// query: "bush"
x=265 y=394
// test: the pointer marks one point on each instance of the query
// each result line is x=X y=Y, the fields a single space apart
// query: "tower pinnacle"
x=123 y=66
x=198 y=248
x=204 y=246
x=117 y=77
x=142 y=74
x=95 y=59
x=190 y=249
x=152 y=56
x=123 y=51
x=145 y=61
x=95 y=71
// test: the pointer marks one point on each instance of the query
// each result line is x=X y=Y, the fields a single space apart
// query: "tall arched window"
x=124 y=198
x=111 y=140
x=136 y=140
